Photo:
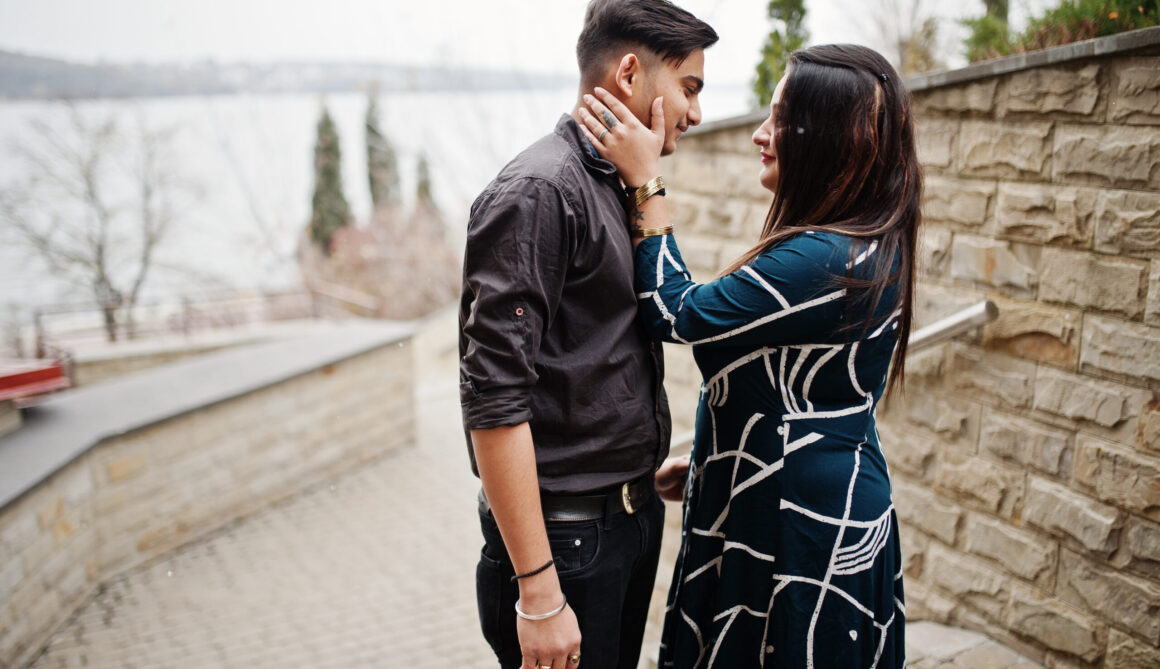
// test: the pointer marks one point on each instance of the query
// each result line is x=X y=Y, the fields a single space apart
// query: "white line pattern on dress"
x=874 y=534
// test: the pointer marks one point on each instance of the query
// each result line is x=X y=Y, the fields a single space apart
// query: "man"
x=561 y=389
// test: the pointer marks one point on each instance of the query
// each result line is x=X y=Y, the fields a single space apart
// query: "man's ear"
x=627 y=75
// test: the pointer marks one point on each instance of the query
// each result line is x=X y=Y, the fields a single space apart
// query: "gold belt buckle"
x=624 y=497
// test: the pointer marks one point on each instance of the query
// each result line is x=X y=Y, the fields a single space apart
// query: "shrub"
x=1071 y=21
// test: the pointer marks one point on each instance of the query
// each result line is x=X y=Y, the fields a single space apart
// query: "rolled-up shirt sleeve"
x=513 y=275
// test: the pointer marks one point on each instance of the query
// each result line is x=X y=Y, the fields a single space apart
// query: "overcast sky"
x=504 y=34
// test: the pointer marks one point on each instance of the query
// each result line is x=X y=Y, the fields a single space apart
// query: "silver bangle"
x=540 y=616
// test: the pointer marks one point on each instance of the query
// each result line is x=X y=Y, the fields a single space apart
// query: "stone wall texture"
x=88 y=371
x=1025 y=457
x=131 y=499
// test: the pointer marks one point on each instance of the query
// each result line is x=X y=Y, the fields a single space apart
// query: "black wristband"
x=533 y=572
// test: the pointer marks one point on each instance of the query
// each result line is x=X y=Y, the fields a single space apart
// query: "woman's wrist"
x=641 y=233
x=541 y=591
x=637 y=196
x=639 y=181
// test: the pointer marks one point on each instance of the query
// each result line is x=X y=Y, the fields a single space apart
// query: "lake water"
x=248 y=160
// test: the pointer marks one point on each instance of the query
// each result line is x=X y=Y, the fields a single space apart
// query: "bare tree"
x=910 y=34
x=95 y=203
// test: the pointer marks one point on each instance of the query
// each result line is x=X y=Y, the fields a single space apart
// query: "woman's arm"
x=786 y=296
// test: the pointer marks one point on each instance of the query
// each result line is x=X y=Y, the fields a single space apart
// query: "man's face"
x=680 y=85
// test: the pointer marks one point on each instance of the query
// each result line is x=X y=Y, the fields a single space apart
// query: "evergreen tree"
x=423 y=188
x=426 y=222
x=990 y=36
x=382 y=169
x=330 y=210
x=788 y=36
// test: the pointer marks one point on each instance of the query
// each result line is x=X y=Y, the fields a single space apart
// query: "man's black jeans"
x=606 y=567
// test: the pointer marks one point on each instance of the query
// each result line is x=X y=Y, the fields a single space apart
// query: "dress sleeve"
x=787 y=296
x=514 y=266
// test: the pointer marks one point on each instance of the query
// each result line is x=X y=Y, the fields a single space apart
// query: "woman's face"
x=763 y=137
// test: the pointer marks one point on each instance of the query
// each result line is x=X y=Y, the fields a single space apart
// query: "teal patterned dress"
x=789 y=555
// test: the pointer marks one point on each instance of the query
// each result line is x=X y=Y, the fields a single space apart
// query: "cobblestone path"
x=373 y=569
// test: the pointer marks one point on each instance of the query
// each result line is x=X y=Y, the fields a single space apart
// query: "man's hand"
x=671 y=478
x=549 y=642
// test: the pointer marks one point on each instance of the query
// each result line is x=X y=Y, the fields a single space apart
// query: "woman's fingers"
x=592 y=125
x=609 y=112
x=602 y=115
x=630 y=145
x=658 y=116
x=596 y=141
x=614 y=106
x=612 y=115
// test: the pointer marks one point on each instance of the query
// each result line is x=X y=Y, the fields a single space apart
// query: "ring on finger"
x=574 y=658
x=609 y=119
x=602 y=134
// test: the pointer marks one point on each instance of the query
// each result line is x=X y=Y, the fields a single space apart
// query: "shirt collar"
x=569 y=129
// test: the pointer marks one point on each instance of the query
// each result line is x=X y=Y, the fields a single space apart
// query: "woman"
x=790 y=553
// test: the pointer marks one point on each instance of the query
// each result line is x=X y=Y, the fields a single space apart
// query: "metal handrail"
x=957 y=323
x=941 y=330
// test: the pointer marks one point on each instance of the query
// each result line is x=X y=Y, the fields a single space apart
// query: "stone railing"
x=1025 y=460
x=102 y=479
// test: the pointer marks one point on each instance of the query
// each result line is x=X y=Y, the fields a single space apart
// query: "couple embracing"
x=573 y=278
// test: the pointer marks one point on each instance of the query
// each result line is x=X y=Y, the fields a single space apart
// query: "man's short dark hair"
x=615 y=27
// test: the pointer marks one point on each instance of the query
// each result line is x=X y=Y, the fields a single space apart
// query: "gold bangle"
x=639 y=233
x=650 y=188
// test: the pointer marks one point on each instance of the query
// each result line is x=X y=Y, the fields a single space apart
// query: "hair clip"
x=883 y=77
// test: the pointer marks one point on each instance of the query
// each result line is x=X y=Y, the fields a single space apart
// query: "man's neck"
x=589 y=89
x=576 y=112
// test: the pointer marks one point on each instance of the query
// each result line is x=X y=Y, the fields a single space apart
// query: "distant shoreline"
x=26 y=77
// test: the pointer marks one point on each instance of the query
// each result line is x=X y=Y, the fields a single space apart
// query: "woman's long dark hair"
x=847 y=163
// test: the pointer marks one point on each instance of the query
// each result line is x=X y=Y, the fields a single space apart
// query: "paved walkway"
x=374 y=569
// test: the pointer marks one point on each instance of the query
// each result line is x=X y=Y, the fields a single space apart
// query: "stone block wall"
x=9 y=417
x=1025 y=457
x=133 y=498
x=87 y=371
x=718 y=208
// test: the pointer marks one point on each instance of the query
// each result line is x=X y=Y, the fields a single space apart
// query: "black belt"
x=627 y=497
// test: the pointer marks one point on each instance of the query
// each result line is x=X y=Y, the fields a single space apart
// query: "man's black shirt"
x=548 y=329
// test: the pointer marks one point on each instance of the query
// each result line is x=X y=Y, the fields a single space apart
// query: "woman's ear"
x=627 y=74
